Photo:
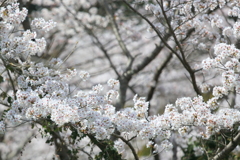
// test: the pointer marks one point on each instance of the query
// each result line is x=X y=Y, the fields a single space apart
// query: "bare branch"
x=116 y=31
x=155 y=79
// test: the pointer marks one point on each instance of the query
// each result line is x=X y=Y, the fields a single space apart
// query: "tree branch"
x=183 y=59
x=129 y=145
x=155 y=79
x=229 y=148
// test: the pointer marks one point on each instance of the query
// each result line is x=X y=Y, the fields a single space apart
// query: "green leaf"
x=32 y=125
x=9 y=99
x=10 y=67
x=1 y=79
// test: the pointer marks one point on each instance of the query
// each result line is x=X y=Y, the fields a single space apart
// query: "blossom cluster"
x=41 y=24
x=212 y=33
x=43 y=90
x=44 y=93
x=12 y=14
x=17 y=47
x=227 y=63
